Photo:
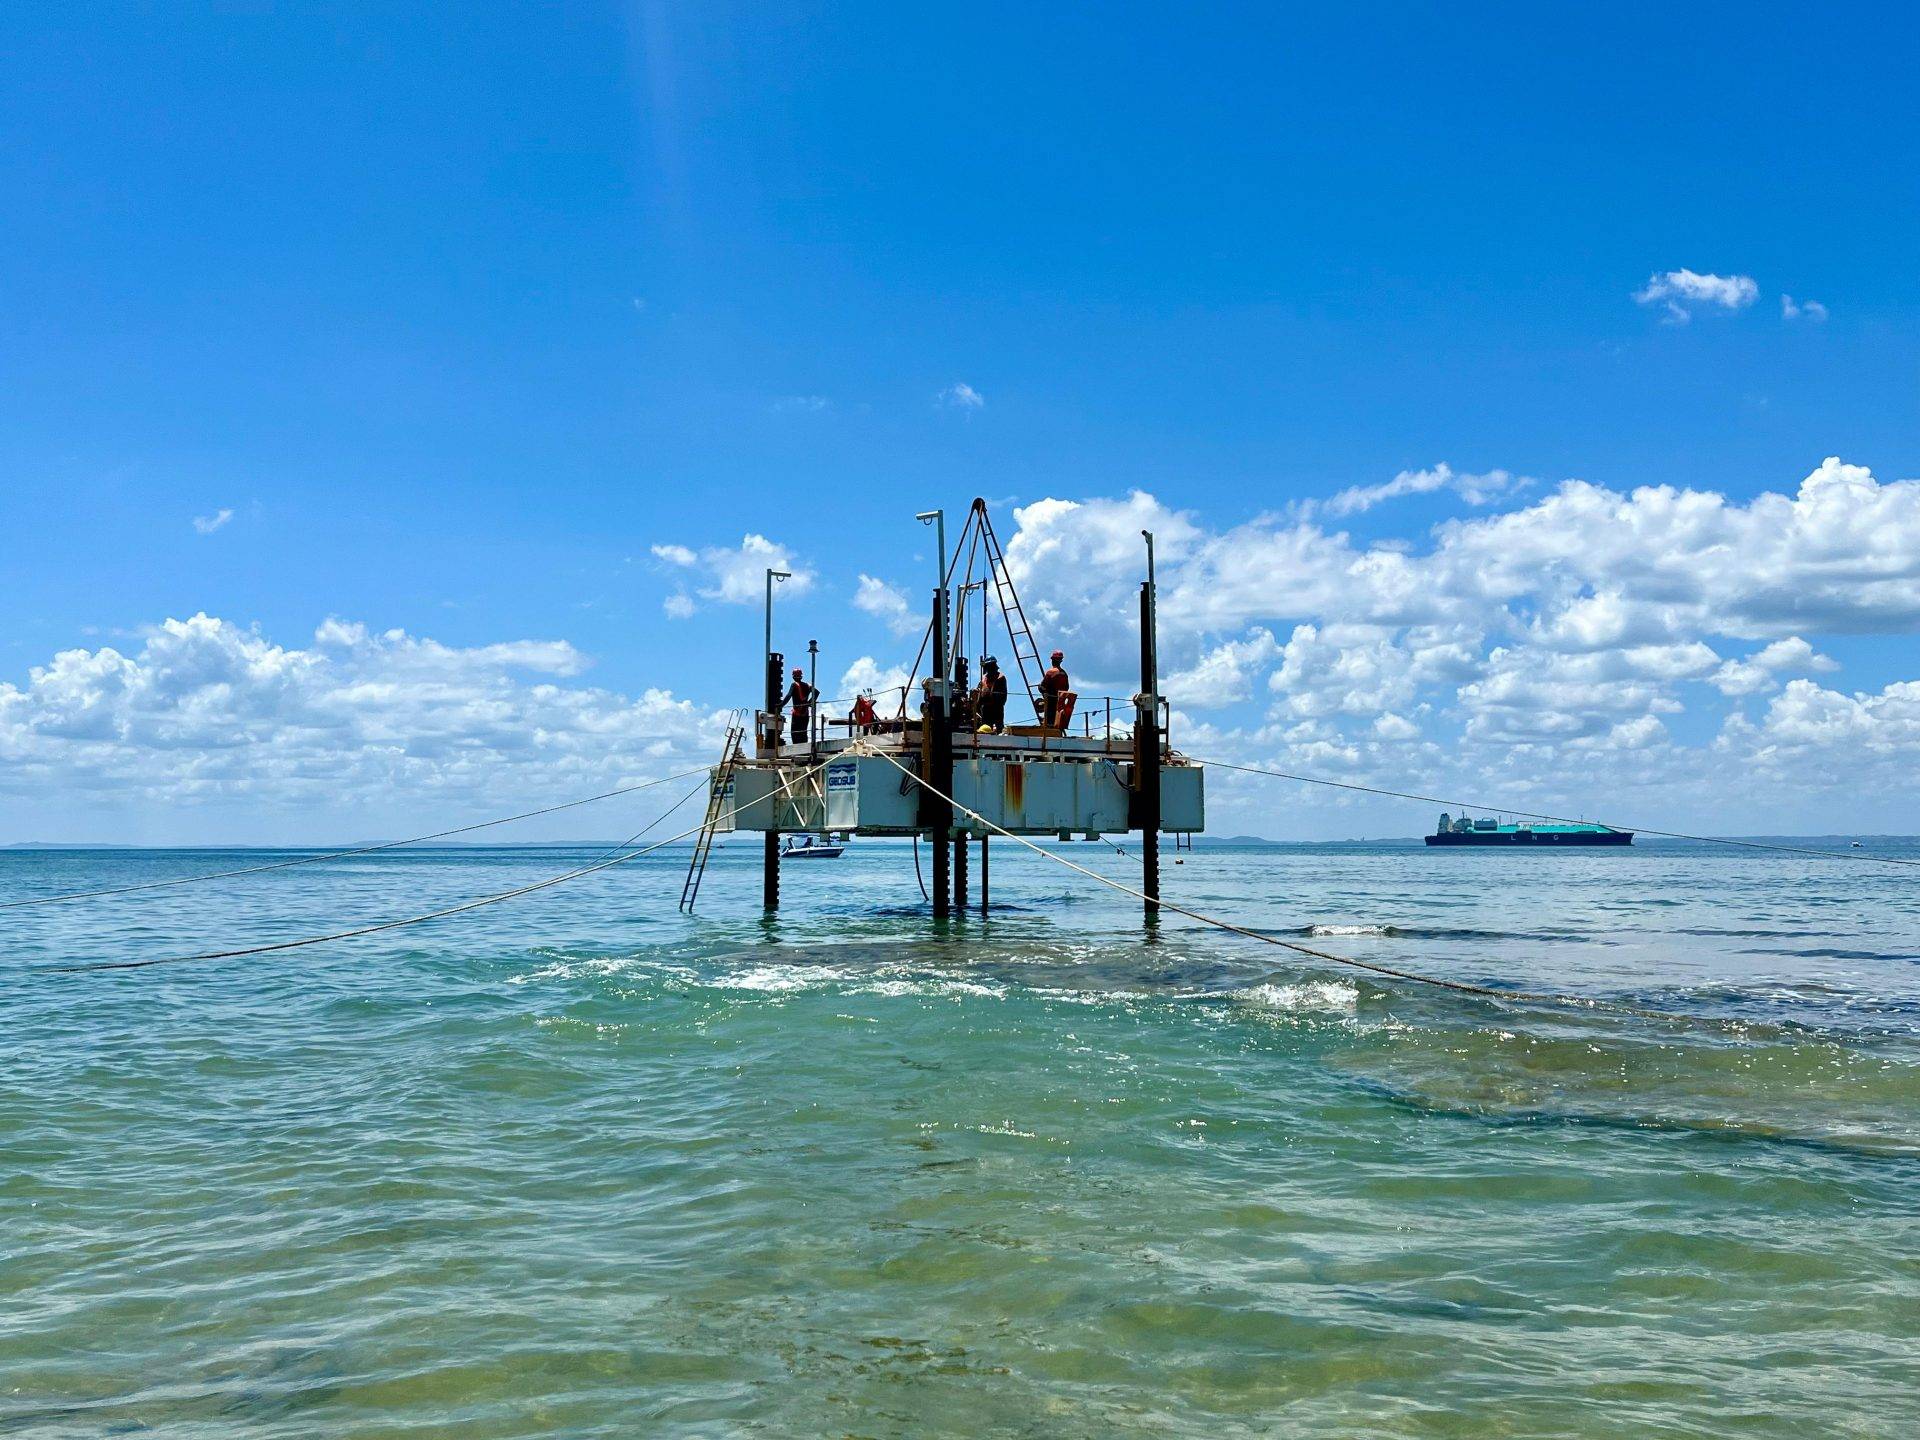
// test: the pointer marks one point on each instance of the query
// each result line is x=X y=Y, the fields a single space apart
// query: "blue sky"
x=461 y=315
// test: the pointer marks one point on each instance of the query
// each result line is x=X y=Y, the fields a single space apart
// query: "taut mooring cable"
x=344 y=854
x=464 y=906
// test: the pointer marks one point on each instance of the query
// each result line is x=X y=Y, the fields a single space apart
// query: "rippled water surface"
x=578 y=1165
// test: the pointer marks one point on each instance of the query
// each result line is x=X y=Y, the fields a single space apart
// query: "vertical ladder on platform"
x=716 y=811
x=1025 y=651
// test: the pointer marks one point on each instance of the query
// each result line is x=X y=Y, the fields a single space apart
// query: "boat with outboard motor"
x=812 y=847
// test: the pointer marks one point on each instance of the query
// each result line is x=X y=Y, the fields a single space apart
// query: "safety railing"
x=1107 y=717
x=1112 y=717
x=774 y=726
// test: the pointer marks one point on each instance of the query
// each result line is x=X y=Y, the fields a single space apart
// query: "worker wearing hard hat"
x=800 y=698
x=990 y=697
x=1054 y=686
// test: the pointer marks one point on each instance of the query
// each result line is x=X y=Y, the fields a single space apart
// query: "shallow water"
x=579 y=1165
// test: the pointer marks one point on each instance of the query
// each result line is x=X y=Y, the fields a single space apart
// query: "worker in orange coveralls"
x=1053 y=688
x=800 y=696
x=862 y=715
x=990 y=697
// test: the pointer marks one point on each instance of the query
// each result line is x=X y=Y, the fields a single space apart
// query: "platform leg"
x=1146 y=760
x=770 y=854
x=942 y=891
x=937 y=758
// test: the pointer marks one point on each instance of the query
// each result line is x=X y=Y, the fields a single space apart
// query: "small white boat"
x=812 y=847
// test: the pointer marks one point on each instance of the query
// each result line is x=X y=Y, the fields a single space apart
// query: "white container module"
x=1183 y=799
x=762 y=803
x=1027 y=794
x=1041 y=796
x=867 y=795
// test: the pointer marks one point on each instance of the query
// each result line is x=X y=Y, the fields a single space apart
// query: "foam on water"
x=1304 y=997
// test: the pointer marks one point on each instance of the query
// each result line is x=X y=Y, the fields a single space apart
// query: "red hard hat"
x=798 y=673
x=1059 y=655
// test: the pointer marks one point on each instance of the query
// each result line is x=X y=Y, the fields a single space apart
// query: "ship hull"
x=1532 y=839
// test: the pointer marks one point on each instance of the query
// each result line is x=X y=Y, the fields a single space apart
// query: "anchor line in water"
x=1412 y=977
x=459 y=909
x=346 y=854
x=1558 y=819
x=375 y=929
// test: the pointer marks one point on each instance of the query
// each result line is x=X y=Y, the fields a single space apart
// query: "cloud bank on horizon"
x=205 y=713
x=1553 y=649
x=1660 y=647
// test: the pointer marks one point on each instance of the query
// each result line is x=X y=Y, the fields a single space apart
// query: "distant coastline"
x=1200 y=842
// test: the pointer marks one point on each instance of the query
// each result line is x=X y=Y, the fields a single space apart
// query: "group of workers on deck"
x=984 y=708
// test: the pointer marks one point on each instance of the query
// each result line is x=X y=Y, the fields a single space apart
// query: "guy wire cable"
x=1561 y=819
x=461 y=908
x=628 y=843
x=343 y=854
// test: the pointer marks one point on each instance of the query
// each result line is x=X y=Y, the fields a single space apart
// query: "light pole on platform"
x=943 y=661
x=772 y=575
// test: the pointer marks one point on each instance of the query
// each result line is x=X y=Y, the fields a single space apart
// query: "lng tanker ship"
x=1491 y=832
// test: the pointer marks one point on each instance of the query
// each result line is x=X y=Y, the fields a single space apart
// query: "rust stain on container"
x=1014 y=792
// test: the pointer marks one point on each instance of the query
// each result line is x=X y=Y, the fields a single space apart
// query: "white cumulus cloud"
x=1681 y=292
x=732 y=576
x=1395 y=728
x=1474 y=489
x=207 y=524
x=1577 y=625
x=1585 y=643
x=961 y=396
x=1224 y=674
x=1763 y=669
x=217 y=731
x=868 y=675
x=885 y=603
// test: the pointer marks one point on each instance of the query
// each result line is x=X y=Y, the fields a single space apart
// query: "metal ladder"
x=716 y=811
x=1025 y=651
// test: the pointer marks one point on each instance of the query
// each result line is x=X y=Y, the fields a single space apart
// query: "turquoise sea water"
x=578 y=1165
